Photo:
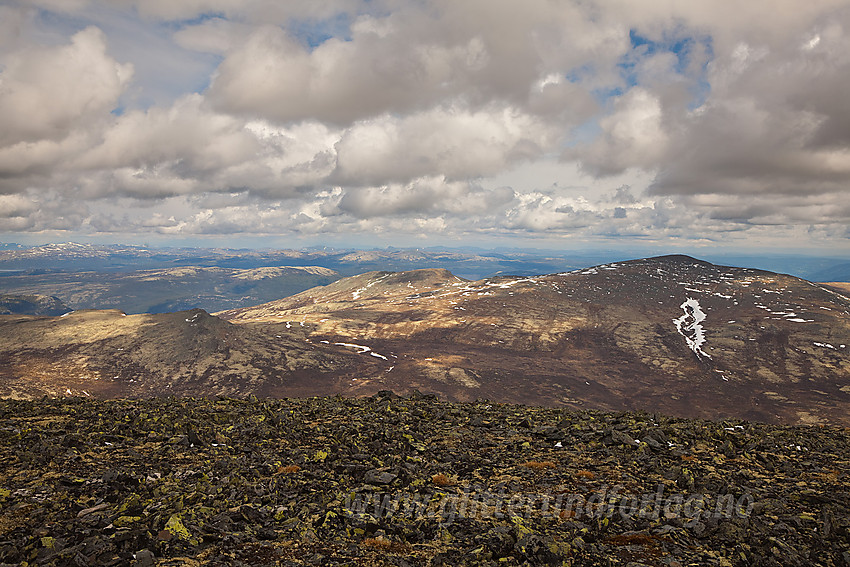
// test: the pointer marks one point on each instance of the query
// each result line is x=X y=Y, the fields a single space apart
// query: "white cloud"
x=185 y=136
x=632 y=135
x=423 y=197
x=45 y=93
x=452 y=141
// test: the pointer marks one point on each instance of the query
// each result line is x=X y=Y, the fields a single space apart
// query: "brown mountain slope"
x=668 y=334
x=840 y=287
x=110 y=354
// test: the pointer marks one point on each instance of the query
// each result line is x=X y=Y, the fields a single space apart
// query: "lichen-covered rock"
x=354 y=482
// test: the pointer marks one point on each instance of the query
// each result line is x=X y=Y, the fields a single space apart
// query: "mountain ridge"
x=671 y=334
x=605 y=336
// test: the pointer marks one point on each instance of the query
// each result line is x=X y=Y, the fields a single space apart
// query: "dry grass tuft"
x=380 y=543
x=377 y=543
x=442 y=480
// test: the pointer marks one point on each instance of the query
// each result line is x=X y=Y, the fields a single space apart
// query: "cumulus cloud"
x=415 y=57
x=775 y=124
x=671 y=120
x=31 y=212
x=424 y=197
x=453 y=141
x=632 y=135
x=46 y=92
x=339 y=81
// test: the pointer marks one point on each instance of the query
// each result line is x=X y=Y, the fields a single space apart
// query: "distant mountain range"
x=167 y=289
x=469 y=263
x=837 y=273
x=71 y=256
x=669 y=334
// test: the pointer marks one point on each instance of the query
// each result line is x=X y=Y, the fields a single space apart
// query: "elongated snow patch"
x=362 y=349
x=689 y=326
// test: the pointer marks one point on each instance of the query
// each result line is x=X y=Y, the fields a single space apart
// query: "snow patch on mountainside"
x=689 y=326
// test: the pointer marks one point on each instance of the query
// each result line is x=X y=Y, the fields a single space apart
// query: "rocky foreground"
x=411 y=481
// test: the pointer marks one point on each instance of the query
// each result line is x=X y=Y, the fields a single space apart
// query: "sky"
x=680 y=125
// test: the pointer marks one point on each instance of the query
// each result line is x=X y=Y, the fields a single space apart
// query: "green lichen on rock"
x=175 y=527
x=126 y=521
x=48 y=542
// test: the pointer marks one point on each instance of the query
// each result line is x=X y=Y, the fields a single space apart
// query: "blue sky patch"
x=687 y=50
x=314 y=33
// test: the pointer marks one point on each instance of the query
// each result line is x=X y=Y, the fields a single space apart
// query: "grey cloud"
x=775 y=122
x=45 y=212
x=216 y=35
x=415 y=58
x=774 y=210
x=11 y=24
x=252 y=11
x=623 y=196
x=15 y=206
x=339 y=81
